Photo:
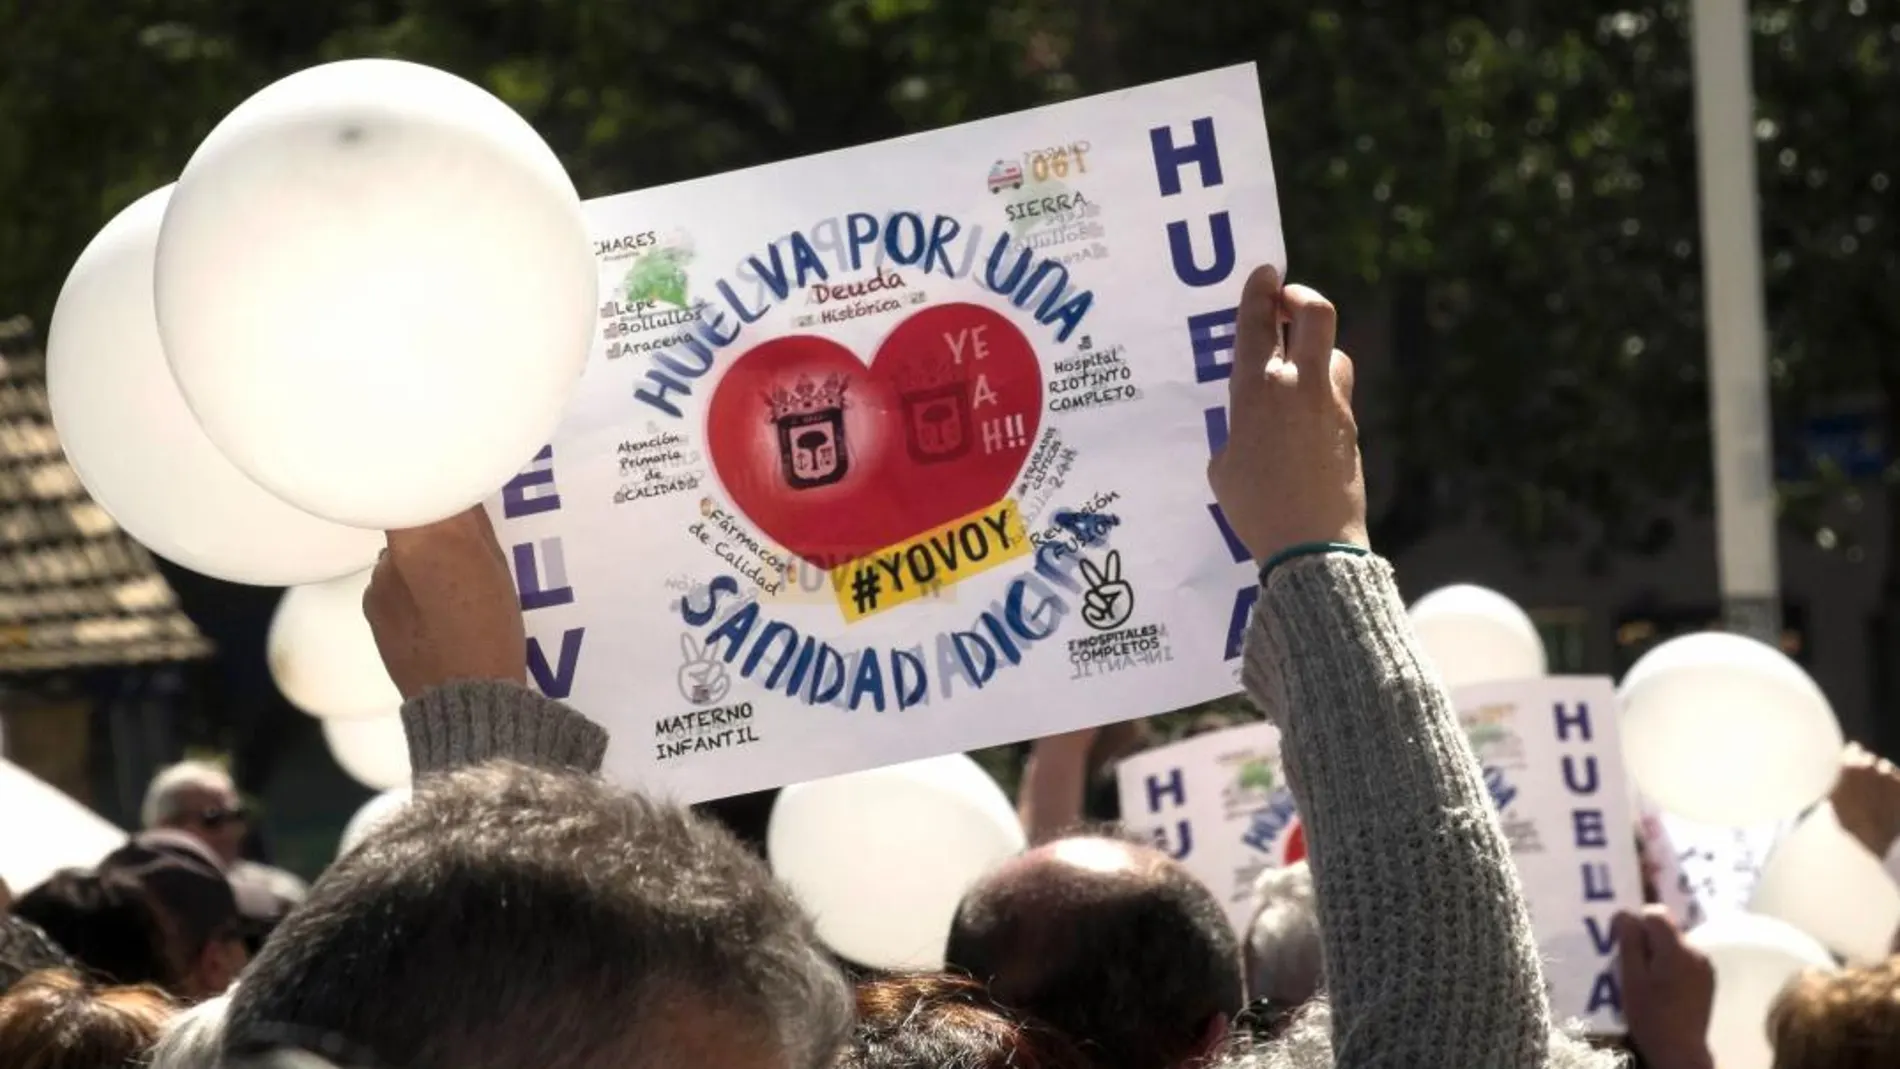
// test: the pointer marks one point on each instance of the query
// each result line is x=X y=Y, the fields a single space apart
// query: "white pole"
x=1732 y=306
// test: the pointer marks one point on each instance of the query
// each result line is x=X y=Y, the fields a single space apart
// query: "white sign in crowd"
x=878 y=451
x=1552 y=762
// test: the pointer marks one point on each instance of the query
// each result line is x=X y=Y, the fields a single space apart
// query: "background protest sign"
x=879 y=452
x=1702 y=871
x=1219 y=804
x=1552 y=764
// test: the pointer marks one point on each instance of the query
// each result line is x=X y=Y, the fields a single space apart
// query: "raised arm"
x=1429 y=955
x=444 y=611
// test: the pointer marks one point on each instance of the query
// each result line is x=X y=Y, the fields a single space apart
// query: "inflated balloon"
x=1726 y=730
x=138 y=449
x=1754 y=958
x=373 y=815
x=373 y=750
x=1823 y=881
x=376 y=289
x=881 y=858
x=323 y=655
x=1477 y=635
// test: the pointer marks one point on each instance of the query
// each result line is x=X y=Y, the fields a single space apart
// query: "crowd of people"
x=520 y=911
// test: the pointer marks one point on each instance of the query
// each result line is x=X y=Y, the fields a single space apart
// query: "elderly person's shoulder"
x=1307 y=1043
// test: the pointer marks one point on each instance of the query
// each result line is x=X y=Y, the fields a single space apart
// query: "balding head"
x=1109 y=941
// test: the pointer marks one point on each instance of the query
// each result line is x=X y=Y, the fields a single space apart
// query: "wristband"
x=1308 y=549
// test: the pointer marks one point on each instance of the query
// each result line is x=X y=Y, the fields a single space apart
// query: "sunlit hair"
x=1307 y=1043
x=1285 y=966
x=194 y=1038
x=931 y=1021
x=510 y=916
x=165 y=795
x=56 y=1020
x=1842 y=1020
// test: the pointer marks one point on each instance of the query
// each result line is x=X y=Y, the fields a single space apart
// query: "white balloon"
x=881 y=858
x=1726 y=730
x=1754 y=958
x=138 y=449
x=373 y=750
x=377 y=291
x=1823 y=881
x=373 y=815
x=1477 y=635
x=323 y=655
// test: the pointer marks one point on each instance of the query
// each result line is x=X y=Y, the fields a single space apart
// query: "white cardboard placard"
x=1553 y=765
x=898 y=451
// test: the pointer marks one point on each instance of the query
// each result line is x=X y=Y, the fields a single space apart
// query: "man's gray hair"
x=1284 y=961
x=194 y=1038
x=512 y=916
x=1307 y=1043
x=164 y=796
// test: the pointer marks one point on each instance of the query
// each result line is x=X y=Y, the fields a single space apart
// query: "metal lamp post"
x=1732 y=304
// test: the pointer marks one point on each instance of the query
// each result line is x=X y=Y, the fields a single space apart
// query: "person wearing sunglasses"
x=200 y=800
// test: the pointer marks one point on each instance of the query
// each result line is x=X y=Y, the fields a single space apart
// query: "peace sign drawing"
x=1110 y=601
x=703 y=679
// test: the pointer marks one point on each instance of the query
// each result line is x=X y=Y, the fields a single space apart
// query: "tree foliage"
x=1515 y=182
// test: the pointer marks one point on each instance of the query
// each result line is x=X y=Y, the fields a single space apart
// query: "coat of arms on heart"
x=835 y=458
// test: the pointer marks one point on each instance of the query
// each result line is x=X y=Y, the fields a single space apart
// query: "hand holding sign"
x=1668 y=990
x=443 y=606
x=1867 y=800
x=1289 y=473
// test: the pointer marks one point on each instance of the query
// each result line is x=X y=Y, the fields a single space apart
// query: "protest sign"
x=896 y=451
x=1662 y=861
x=1706 y=871
x=1219 y=804
x=1552 y=764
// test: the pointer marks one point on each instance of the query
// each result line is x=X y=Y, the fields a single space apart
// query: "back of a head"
x=25 y=949
x=194 y=1038
x=1285 y=964
x=510 y=916
x=166 y=794
x=1307 y=1043
x=1113 y=943
x=56 y=1020
x=1844 y=1020
x=108 y=922
x=184 y=880
x=932 y=1021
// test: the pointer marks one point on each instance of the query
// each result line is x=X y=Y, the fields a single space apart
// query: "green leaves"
x=658 y=276
x=1505 y=190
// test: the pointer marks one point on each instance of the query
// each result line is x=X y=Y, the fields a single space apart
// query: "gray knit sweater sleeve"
x=1430 y=961
x=470 y=722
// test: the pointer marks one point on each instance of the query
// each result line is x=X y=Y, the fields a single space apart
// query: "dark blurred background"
x=1500 y=195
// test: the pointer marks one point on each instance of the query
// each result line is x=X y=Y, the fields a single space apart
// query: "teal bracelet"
x=1308 y=549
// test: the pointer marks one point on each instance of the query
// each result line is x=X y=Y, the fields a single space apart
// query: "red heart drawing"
x=835 y=459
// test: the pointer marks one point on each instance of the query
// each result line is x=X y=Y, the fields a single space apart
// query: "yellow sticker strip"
x=925 y=564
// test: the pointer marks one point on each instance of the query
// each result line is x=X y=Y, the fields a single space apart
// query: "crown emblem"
x=924 y=376
x=806 y=397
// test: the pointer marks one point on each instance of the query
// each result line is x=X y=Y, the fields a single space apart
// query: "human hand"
x=1668 y=991
x=443 y=607
x=1867 y=799
x=1289 y=473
